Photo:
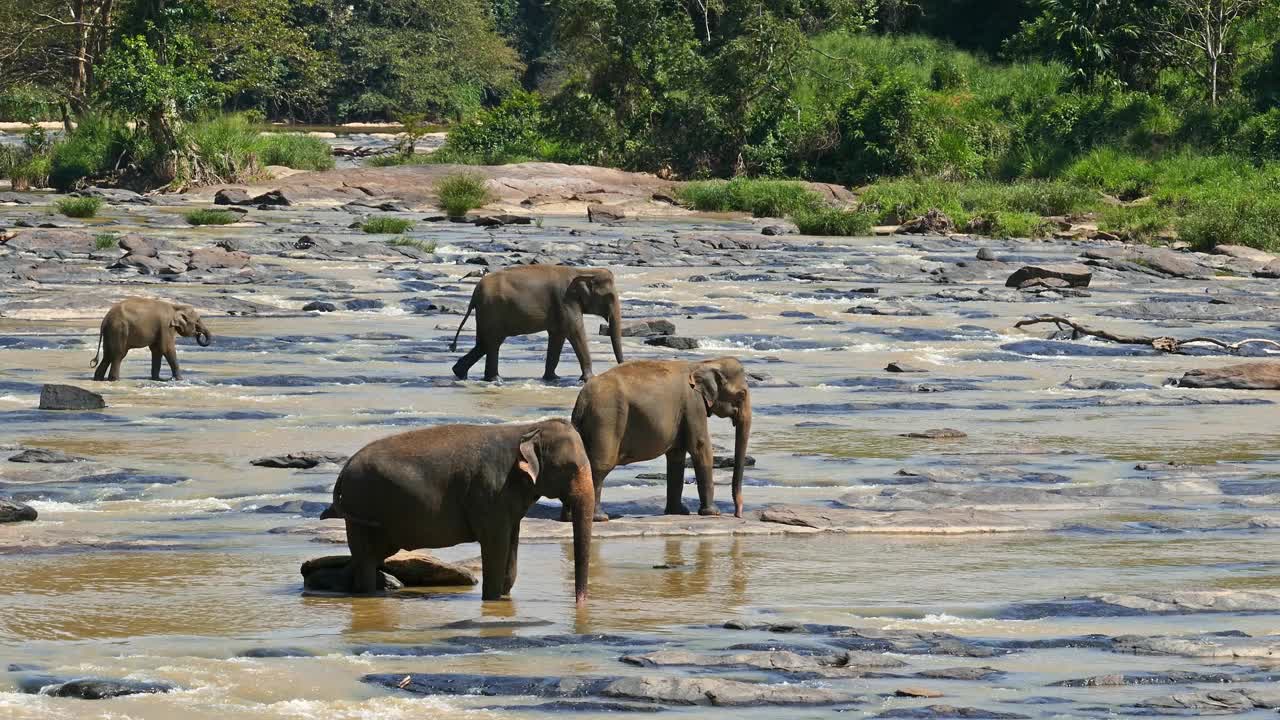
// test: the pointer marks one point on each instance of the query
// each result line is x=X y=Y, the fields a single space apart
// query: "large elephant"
x=452 y=484
x=533 y=298
x=146 y=322
x=647 y=408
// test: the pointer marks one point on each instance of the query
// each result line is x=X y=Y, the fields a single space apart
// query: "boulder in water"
x=69 y=397
x=1244 y=376
x=11 y=511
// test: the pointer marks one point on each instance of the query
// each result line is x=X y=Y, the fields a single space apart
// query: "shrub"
x=1009 y=224
x=423 y=245
x=832 y=221
x=1137 y=223
x=461 y=192
x=294 y=150
x=510 y=132
x=1252 y=220
x=761 y=198
x=211 y=217
x=1048 y=198
x=1120 y=174
x=386 y=224
x=104 y=241
x=227 y=147
x=94 y=149
x=79 y=207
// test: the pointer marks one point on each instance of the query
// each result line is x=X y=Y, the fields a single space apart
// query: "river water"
x=157 y=557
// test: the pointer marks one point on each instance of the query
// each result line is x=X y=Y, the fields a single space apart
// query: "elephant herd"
x=451 y=484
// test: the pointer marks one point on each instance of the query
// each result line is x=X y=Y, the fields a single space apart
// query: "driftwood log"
x=1163 y=344
x=361 y=152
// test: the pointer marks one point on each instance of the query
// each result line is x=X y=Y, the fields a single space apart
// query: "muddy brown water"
x=153 y=561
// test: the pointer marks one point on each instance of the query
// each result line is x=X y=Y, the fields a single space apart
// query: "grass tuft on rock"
x=79 y=207
x=386 y=224
x=761 y=198
x=461 y=192
x=211 y=217
x=104 y=241
x=423 y=245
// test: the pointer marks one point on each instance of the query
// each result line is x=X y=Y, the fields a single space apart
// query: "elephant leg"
x=675 y=482
x=495 y=551
x=171 y=355
x=100 y=372
x=156 y=355
x=511 y=560
x=578 y=339
x=116 y=361
x=463 y=366
x=555 y=344
x=491 y=360
x=367 y=553
x=702 y=463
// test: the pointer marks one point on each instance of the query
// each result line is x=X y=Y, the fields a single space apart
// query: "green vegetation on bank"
x=79 y=207
x=386 y=224
x=461 y=192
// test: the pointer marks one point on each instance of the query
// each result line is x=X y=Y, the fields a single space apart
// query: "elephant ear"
x=705 y=380
x=528 y=460
x=180 y=320
x=580 y=287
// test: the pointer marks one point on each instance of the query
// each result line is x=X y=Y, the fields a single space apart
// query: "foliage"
x=79 y=207
x=761 y=198
x=426 y=246
x=104 y=241
x=98 y=147
x=211 y=217
x=511 y=132
x=832 y=221
x=460 y=192
x=294 y=150
x=226 y=146
x=386 y=224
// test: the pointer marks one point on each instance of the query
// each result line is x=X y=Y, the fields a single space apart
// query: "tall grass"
x=461 y=192
x=386 y=224
x=294 y=150
x=79 y=207
x=761 y=198
x=227 y=146
x=211 y=217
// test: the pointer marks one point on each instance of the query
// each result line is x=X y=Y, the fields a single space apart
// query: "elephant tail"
x=453 y=346
x=94 y=362
x=336 y=512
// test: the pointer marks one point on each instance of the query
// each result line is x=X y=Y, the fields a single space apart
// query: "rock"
x=11 y=511
x=273 y=197
x=1194 y=601
x=41 y=455
x=139 y=246
x=304 y=459
x=643 y=328
x=1168 y=677
x=500 y=220
x=605 y=214
x=409 y=568
x=305 y=508
x=364 y=304
x=917 y=692
x=846 y=664
x=328 y=578
x=1075 y=275
x=934 y=222
x=1244 y=252
x=232 y=196
x=146 y=265
x=964 y=672
x=1245 y=376
x=216 y=258
x=319 y=306
x=935 y=434
x=986 y=254
x=1270 y=270
x=902 y=367
x=52 y=242
x=1216 y=701
x=69 y=397
x=931 y=712
x=90 y=688
x=1207 y=645
x=15 y=198
x=674 y=342
x=774 y=230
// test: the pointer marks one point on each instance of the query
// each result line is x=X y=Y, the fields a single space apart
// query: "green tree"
x=1102 y=41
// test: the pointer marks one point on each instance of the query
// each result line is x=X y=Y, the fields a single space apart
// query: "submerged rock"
x=42 y=455
x=1168 y=677
x=1072 y=274
x=1245 y=376
x=936 y=434
x=1216 y=701
x=674 y=342
x=11 y=511
x=605 y=214
x=643 y=328
x=304 y=459
x=851 y=663
x=412 y=568
x=930 y=712
x=90 y=688
x=69 y=397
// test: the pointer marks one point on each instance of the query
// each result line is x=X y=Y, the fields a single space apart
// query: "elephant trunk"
x=741 y=435
x=615 y=329
x=582 y=501
x=203 y=337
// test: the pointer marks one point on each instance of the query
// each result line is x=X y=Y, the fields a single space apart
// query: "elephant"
x=451 y=484
x=533 y=298
x=146 y=322
x=646 y=408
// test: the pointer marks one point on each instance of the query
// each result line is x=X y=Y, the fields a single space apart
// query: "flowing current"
x=1093 y=522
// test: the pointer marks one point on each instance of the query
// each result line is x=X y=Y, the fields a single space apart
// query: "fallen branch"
x=361 y=152
x=1163 y=344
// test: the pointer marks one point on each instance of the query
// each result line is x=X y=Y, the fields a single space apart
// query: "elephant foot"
x=709 y=510
x=676 y=510
x=459 y=373
x=600 y=517
x=495 y=378
x=551 y=377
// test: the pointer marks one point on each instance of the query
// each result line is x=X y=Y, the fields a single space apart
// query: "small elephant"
x=146 y=322
x=451 y=484
x=533 y=298
x=646 y=408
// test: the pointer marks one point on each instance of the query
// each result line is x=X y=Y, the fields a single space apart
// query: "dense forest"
x=931 y=100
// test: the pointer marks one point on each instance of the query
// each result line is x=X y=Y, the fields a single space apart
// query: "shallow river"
x=158 y=557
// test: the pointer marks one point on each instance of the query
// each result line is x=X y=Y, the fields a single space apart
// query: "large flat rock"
x=1245 y=376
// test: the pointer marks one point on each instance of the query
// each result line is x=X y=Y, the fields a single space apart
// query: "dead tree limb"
x=1163 y=344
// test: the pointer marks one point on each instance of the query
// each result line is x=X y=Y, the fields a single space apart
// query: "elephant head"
x=595 y=293
x=187 y=322
x=553 y=459
x=722 y=383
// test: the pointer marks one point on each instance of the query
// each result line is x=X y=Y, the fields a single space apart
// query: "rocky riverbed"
x=947 y=516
